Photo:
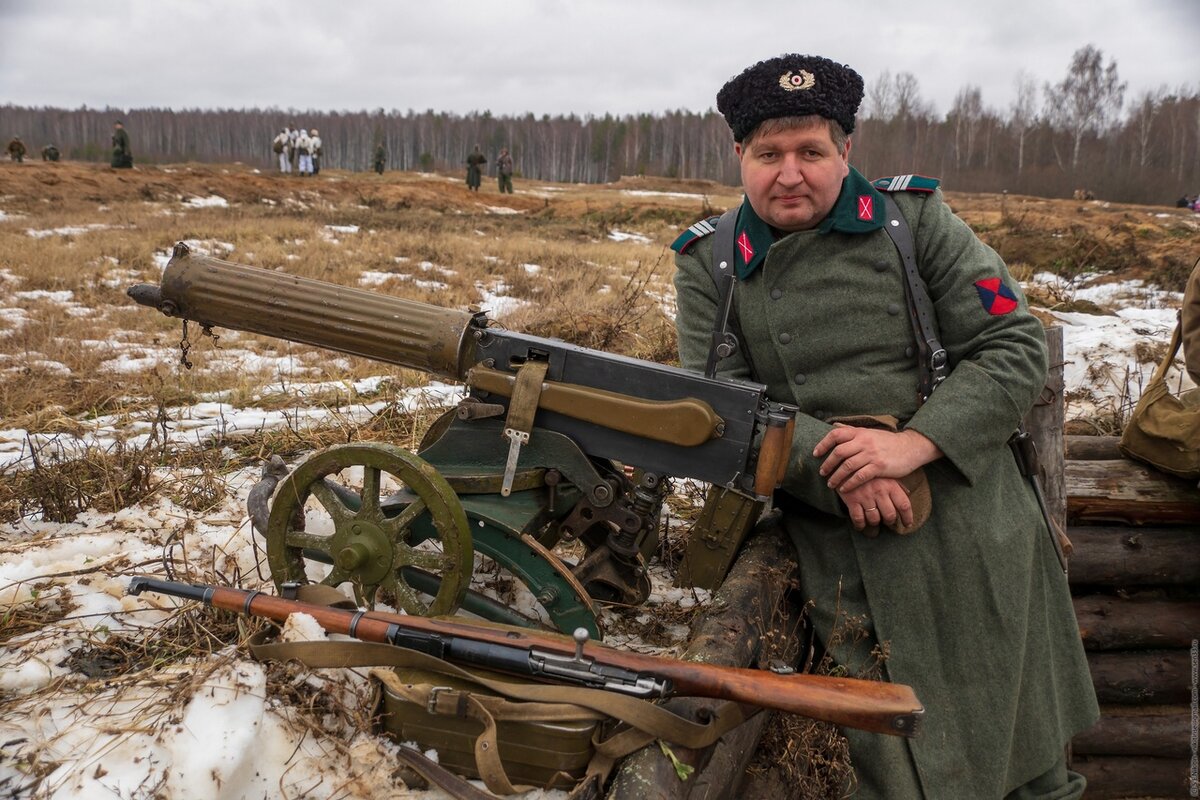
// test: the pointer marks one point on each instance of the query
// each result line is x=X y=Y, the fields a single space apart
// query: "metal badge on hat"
x=798 y=82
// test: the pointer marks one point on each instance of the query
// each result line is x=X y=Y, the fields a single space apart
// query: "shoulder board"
x=906 y=183
x=695 y=233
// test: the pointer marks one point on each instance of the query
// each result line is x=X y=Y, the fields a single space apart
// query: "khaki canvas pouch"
x=1164 y=430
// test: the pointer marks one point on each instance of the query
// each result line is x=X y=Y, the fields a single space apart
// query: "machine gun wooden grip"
x=773 y=453
x=687 y=422
x=783 y=462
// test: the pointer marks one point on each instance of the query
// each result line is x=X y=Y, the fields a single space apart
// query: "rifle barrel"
x=888 y=708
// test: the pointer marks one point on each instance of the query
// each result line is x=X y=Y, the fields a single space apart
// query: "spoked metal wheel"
x=401 y=519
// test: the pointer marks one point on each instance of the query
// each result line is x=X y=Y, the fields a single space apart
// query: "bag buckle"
x=431 y=703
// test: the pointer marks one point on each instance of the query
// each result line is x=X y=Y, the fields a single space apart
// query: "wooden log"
x=1121 y=556
x=1125 y=491
x=1113 y=623
x=1141 y=678
x=1092 y=448
x=1044 y=422
x=749 y=605
x=1111 y=777
x=1159 y=731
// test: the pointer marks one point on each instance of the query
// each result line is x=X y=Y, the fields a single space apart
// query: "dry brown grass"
x=801 y=758
x=426 y=228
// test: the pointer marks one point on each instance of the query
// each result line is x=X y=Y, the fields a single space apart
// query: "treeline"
x=1079 y=133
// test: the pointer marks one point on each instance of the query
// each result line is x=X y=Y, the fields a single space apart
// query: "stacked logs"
x=1134 y=575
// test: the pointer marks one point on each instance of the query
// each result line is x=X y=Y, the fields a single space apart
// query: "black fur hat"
x=790 y=86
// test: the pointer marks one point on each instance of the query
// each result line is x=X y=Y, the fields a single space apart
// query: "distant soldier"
x=293 y=150
x=315 y=149
x=475 y=163
x=122 y=154
x=380 y=157
x=16 y=149
x=504 y=166
x=281 y=146
x=50 y=153
x=304 y=148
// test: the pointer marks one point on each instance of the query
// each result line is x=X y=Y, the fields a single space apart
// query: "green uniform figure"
x=504 y=170
x=16 y=149
x=50 y=153
x=972 y=609
x=380 y=158
x=122 y=155
x=475 y=163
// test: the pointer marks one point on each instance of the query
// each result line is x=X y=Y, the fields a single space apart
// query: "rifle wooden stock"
x=866 y=705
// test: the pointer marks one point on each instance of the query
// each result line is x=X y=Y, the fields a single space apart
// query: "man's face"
x=793 y=177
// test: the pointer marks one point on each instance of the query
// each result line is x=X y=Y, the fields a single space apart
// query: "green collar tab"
x=859 y=209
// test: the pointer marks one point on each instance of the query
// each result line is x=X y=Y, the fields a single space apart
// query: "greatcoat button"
x=893 y=308
x=776 y=294
x=784 y=338
x=881 y=266
x=908 y=352
x=800 y=378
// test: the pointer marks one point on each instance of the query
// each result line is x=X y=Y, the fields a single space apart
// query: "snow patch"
x=212 y=201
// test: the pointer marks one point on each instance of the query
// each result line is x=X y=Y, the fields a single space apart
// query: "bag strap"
x=723 y=269
x=933 y=363
x=1160 y=372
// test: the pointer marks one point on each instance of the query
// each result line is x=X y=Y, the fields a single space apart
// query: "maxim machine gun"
x=553 y=444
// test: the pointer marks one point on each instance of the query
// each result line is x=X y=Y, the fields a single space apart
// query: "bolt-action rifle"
x=855 y=703
x=867 y=705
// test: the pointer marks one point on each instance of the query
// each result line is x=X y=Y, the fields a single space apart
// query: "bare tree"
x=1023 y=113
x=881 y=98
x=908 y=97
x=1087 y=98
x=1141 y=118
x=965 y=115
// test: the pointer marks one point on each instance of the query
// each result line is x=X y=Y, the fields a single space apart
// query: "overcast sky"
x=556 y=56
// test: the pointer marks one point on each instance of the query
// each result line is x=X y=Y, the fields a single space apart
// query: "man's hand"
x=879 y=500
x=854 y=456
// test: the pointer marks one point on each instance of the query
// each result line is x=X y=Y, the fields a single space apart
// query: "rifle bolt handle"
x=581 y=637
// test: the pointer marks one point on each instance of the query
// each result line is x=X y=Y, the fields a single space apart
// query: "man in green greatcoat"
x=122 y=154
x=380 y=159
x=972 y=608
x=475 y=162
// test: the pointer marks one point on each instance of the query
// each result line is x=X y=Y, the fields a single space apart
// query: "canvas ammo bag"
x=512 y=734
x=1164 y=431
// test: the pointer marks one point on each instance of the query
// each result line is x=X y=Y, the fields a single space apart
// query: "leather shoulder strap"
x=933 y=362
x=722 y=266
